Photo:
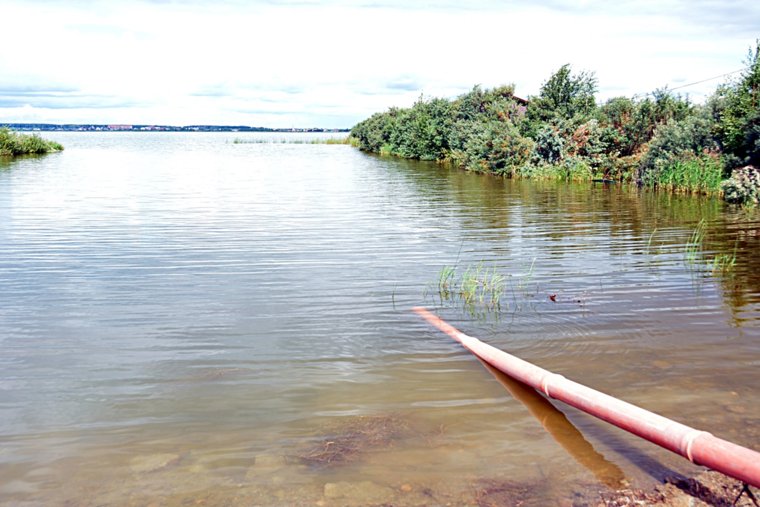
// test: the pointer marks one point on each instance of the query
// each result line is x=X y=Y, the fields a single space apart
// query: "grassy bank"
x=13 y=144
x=661 y=140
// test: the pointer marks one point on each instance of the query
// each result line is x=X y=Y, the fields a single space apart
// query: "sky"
x=332 y=63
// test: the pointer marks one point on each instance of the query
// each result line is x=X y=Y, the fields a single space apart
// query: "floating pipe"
x=699 y=447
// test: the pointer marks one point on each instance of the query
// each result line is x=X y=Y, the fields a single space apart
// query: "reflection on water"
x=562 y=430
x=182 y=316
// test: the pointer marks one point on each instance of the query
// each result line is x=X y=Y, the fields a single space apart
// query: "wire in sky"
x=638 y=95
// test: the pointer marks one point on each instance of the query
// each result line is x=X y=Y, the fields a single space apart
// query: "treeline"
x=13 y=144
x=661 y=140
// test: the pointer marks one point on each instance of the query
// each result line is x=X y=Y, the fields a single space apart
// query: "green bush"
x=13 y=144
x=743 y=187
x=563 y=97
x=490 y=146
x=736 y=111
x=549 y=146
x=662 y=140
x=674 y=147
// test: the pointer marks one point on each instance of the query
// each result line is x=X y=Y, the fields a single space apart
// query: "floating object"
x=699 y=447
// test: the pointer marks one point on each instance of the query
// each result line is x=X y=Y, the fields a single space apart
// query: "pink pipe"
x=697 y=446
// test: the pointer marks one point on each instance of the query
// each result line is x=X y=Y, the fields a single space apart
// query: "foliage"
x=490 y=146
x=736 y=110
x=563 y=97
x=549 y=145
x=628 y=125
x=13 y=144
x=661 y=140
x=743 y=187
x=691 y=173
x=675 y=147
x=570 y=169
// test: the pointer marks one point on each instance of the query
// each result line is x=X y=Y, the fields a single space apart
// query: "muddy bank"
x=706 y=489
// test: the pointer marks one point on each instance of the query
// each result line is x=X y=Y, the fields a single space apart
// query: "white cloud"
x=312 y=63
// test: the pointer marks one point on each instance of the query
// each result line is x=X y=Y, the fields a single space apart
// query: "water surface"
x=185 y=319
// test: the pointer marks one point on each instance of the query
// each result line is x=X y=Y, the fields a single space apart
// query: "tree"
x=563 y=97
x=736 y=108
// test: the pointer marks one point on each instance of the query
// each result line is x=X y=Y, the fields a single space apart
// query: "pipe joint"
x=687 y=442
x=549 y=380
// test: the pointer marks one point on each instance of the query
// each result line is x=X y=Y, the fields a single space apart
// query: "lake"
x=190 y=320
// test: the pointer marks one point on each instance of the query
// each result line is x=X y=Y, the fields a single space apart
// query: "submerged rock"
x=152 y=462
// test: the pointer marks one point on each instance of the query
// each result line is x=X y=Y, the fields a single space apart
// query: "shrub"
x=562 y=97
x=736 y=110
x=13 y=144
x=549 y=146
x=743 y=187
x=493 y=146
x=674 y=144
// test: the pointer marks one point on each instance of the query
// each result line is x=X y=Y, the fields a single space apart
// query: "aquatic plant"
x=13 y=144
x=720 y=263
x=477 y=285
x=694 y=245
x=701 y=174
x=649 y=242
x=724 y=263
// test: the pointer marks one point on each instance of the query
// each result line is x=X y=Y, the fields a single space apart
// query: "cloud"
x=405 y=84
x=243 y=62
x=59 y=97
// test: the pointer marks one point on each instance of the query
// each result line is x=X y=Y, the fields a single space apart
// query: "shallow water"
x=184 y=319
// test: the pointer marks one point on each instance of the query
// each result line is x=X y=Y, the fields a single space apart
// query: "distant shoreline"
x=93 y=127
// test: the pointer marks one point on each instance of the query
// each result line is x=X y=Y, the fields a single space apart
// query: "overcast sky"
x=332 y=63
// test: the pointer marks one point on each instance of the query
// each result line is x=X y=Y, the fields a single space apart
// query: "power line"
x=638 y=95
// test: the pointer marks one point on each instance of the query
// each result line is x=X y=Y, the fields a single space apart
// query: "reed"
x=697 y=174
x=13 y=144
x=477 y=285
x=649 y=242
x=694 y=245
x=724 y=263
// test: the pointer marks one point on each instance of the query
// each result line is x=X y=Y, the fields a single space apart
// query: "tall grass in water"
x=721 y=263
x=724 y=262
x=694 y=245
x=477 y=285
x=13 y=144
x=699 y=174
